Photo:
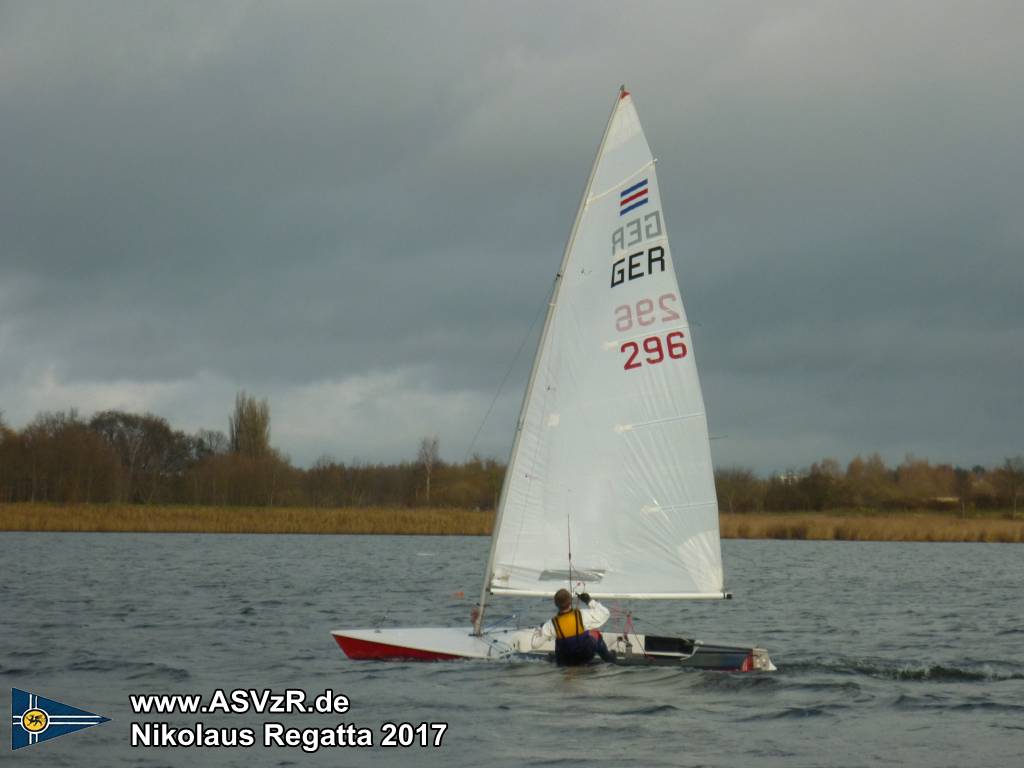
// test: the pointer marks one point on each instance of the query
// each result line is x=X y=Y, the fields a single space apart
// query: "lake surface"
x=888 y=653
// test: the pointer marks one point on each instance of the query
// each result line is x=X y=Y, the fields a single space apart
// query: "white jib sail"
x=613 y=462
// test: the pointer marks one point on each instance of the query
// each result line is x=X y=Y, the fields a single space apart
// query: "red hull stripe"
x=366 y=649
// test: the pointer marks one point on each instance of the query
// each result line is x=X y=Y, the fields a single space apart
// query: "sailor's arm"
x=594 y=614
x=542 y=634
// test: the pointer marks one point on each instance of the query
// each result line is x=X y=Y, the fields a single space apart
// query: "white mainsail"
x=611 y=461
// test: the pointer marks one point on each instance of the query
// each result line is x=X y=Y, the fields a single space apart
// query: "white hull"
x=451 y=643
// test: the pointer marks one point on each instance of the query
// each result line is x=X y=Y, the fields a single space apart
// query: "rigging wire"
x=581 y=585
x=568 y=541
x=515 y=359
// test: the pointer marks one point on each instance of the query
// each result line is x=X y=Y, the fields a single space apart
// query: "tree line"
x=867 y=483
x=121 y=457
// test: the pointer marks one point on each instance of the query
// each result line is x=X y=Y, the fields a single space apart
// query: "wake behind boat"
x=610 y=488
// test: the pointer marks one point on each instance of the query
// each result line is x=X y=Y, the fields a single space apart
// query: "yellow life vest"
x=569 y=624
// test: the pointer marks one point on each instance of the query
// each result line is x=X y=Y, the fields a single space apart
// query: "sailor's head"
x=563 y=599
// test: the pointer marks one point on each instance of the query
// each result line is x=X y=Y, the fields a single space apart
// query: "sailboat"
x=609 y=488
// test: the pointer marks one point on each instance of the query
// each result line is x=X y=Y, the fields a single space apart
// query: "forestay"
x=612 y=460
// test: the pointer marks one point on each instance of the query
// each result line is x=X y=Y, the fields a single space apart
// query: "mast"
x=479 y=620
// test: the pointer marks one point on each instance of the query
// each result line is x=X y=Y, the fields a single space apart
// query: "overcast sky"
x=356 y=211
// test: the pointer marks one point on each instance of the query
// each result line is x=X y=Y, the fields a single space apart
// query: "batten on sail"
x=624 y=596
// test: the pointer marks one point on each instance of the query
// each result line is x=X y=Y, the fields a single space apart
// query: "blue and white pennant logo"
x=35 y=719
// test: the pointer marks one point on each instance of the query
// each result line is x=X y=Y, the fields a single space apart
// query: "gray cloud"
x=357 y=209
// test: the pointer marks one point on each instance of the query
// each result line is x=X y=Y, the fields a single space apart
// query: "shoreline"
x=841 y=525
x=920 y=526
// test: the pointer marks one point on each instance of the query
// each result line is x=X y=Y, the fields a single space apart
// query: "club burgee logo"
x=36 y=719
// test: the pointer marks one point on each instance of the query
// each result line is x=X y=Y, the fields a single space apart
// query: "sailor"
x=575 y=632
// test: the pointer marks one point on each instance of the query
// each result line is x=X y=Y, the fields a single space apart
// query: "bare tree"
x=963 y=487
x=1012 y=475
x=739 y=489
x=211 y=442
x=429 y=447
x=250 y=426
x=151 y=453
x=5 y=431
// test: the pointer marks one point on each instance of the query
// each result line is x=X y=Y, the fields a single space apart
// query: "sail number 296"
x=653 y=350
x=645 y=313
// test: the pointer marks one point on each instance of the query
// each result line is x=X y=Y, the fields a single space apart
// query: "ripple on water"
x=128 y=670
x=890 y=670
x=904 y=687
x=654 y=710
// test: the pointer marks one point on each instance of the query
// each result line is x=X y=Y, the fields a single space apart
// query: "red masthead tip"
x=623 y=93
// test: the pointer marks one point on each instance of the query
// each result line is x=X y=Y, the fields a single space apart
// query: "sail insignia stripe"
x=634 y=188
x=634 y=206
x=637 y=172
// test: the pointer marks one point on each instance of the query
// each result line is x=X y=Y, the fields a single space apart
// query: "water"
x=888 y=653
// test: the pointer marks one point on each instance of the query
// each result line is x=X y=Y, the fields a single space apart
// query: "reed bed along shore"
x=182 y=519
x=857 y=525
